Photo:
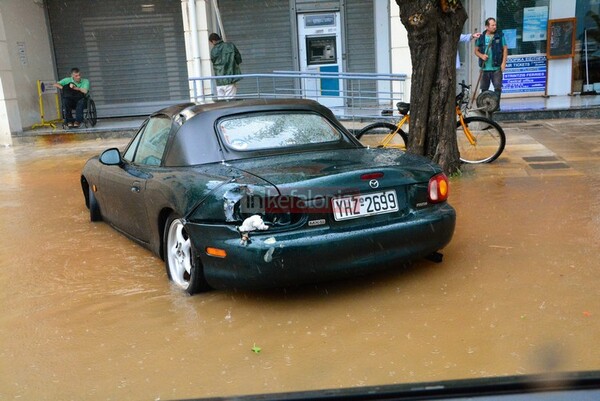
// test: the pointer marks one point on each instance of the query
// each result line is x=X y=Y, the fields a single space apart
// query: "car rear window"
x=276 y=130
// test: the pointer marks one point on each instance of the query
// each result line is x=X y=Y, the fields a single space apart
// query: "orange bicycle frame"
x=472 y=140
x=386 y=142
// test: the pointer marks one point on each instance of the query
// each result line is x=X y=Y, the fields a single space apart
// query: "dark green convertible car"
x=266 y=193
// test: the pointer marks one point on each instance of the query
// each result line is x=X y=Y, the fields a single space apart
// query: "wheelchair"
x=90 y=117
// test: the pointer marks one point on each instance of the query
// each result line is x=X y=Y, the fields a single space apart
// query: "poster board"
x=561 y=38
x=525 y=74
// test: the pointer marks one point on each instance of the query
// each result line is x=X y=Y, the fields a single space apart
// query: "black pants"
x=71 y=104
x=494 y=77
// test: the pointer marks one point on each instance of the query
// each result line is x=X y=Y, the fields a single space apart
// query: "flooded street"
x=88 y=314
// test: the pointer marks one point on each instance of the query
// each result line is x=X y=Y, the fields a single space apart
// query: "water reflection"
x=87 y=314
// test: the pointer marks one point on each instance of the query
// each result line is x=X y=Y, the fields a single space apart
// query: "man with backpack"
x=226 y=60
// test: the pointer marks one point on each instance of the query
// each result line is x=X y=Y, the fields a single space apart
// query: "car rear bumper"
x=317 y=254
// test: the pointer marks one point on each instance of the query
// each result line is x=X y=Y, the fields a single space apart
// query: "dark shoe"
x=69 y=125
x=76 y=124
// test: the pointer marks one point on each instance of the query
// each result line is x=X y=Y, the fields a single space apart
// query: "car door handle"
x=135 y=187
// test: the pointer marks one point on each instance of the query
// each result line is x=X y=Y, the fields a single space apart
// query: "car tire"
x=181 y=262
x=94 y=207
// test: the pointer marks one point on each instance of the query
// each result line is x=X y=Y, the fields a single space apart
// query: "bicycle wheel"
x=382 y=128
x=489 y=140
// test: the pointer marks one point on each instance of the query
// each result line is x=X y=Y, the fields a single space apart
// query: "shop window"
x=524 y=24
x=586 y=66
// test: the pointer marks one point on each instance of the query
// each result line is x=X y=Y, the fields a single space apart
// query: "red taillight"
x=438 y=188
x=372 y=176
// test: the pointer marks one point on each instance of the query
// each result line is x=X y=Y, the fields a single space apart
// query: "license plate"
x=352 y=207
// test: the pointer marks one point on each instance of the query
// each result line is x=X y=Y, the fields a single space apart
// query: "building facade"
x=139 y=54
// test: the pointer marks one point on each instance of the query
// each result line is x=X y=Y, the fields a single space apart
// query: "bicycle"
x=480 y=139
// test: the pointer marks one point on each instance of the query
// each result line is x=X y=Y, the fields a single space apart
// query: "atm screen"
x=321 y=50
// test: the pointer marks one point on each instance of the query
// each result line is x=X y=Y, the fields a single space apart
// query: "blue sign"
x=535 y=23
x=330 y=87
x=511 y=38
x=525 y=74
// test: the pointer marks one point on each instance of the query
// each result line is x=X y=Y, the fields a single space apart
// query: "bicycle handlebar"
x=403 y=108
x=464 y=85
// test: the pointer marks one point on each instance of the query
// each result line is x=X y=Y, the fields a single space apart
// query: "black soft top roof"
x=195 y=141
x=189 y=110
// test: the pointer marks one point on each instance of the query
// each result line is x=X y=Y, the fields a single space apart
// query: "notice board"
x=525 y=73
x=561 y=38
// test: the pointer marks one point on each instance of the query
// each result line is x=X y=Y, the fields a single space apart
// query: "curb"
x=31 y=137
x=520 y=115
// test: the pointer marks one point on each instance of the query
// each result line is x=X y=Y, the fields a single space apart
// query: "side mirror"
x=111 y=157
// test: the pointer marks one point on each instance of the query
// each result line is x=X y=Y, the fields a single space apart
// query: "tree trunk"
x=433 y=35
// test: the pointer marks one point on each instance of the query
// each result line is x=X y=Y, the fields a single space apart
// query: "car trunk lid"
x=341 y=187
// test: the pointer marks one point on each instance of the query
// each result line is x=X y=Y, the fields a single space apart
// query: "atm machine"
x=320 y=48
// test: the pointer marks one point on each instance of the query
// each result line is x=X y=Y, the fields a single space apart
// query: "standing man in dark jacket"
x=226 y=60
x=492 y=51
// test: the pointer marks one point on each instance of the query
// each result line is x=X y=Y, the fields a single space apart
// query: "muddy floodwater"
x=86 y=314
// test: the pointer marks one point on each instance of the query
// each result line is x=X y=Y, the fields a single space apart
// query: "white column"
x=488 y=10
x=203 y=32
x=10 y=119
x=382 y=43
x=560 y=71
x=195 y=27
x=401 y=62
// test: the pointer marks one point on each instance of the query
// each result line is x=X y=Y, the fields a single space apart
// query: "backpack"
x=70 y=93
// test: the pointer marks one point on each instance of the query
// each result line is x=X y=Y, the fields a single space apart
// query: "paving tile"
x=530 y=159
x=548 y=166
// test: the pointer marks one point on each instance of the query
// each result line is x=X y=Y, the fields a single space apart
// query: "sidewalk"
x=540 y=148
x=105 y=128
x=539 y=108
x=513 y=109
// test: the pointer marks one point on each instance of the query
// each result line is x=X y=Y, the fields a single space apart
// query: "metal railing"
x=348 y=95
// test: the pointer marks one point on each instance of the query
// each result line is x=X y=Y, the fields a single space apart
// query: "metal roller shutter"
x=133 y=52
x=262 y=32
x=360 y=36
x=360 y=41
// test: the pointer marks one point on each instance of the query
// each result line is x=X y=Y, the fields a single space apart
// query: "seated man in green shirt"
x=75 y=90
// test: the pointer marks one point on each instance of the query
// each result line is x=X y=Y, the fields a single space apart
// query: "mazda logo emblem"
x=374 y=184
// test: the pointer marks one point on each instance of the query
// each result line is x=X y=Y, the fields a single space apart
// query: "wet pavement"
x=88 y=314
